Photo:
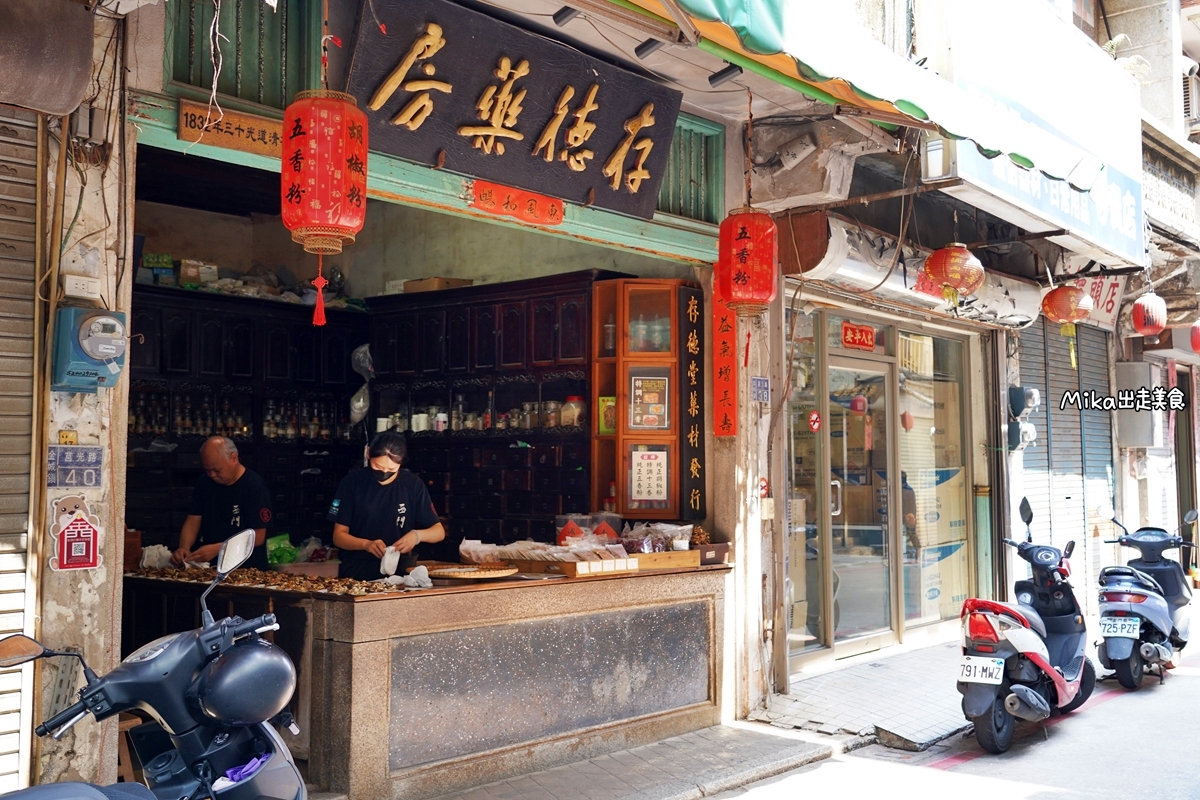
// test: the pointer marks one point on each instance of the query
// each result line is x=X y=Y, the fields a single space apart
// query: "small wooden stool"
x=125 y=771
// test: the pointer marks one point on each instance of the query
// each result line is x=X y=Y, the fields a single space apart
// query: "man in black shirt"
x=228 y=499
x=381 y=506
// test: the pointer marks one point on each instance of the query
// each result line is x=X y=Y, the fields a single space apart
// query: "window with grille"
x=694 y=183
x=266 y=55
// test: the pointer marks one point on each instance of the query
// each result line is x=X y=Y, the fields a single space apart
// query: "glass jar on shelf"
x=550 y=412
x=573 y=412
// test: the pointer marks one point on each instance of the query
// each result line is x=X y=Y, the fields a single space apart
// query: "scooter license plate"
x=975 y=669
x=1121 y=627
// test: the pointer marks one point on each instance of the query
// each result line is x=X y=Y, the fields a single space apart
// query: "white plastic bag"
x=156 y=556
x=360 y=404
x=390 y=561
x=308 y=547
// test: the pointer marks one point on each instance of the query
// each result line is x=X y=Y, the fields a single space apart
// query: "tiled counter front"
x=423 y=694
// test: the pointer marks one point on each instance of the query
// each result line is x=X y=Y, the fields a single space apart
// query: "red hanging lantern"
x=323 y=184
x=1067 y=305
x=956 y=270
x=907 y=420
x=1196 y=336
x=748 y=260
x=1149 y=316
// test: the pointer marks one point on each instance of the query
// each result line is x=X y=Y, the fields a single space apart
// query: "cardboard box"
x=851 y=443
x=716 y=553
x=941 y=502
x=606 y=415
x=196 y=273
x=165 y=277
x=947 y=423
x=434 y=284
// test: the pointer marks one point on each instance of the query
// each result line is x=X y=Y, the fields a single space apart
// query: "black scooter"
x=1025 y=660
x=210 y=693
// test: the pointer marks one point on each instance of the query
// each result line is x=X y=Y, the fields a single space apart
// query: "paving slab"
x=909 y=699
x=695 y=765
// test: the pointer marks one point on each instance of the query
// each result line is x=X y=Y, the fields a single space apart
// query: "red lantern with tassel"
x=1067 y=305
x=323 y=184
x=956 y=270
x=748 y=260
x=1196 y=336
x=1149 y=316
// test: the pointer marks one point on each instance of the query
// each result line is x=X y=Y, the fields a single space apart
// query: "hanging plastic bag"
x=390 y=561
x=360 y=404
x=360 y=359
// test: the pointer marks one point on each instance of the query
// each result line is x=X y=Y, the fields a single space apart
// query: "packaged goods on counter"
x=656 y=537
x=473 y=551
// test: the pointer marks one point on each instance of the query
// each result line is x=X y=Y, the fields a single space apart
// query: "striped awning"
x=819 y=47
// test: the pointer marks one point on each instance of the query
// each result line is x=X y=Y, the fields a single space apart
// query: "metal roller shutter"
x=18 y=210
x=1069 y=470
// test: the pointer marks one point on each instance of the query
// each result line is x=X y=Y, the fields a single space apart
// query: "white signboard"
x=1106 y=291
x=649 y=475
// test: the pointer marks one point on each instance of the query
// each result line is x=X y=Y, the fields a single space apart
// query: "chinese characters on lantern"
x=691 y=368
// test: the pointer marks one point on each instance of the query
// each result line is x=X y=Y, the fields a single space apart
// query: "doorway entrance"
x=878 y=524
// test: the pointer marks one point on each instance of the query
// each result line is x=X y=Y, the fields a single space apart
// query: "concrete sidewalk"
x=687 y=767
x=907 y=700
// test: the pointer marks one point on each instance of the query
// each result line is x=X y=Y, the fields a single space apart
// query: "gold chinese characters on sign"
x=499 y=110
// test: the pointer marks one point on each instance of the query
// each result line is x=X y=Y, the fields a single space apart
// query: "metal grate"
x=694 y=183
x=18 y=211
x=264 y=53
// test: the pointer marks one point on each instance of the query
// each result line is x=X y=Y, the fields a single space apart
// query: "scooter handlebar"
x=1011 y=543
x=61 y=718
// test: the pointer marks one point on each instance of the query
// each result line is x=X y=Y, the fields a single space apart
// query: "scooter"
x=1022 y=660
x=1144 y=606
x=209 y=692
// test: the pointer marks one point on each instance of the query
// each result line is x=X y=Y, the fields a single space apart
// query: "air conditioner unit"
x=939 y=158
x=1191 y=97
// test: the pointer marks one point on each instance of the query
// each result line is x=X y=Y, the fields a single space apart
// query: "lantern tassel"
x=319 y=283
x=1067 y=329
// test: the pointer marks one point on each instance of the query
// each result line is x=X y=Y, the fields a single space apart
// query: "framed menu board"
x=649 y=398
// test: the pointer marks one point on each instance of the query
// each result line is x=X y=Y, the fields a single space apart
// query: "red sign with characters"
x=535 y=209
x=725 y=366
x=78 y=545
x=858 y=337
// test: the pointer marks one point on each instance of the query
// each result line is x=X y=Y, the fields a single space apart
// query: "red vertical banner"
x=725 y=366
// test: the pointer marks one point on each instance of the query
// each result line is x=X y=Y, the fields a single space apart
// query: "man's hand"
x=180 y=556
x=208 y=552
x=407 y=542
x=376 y=548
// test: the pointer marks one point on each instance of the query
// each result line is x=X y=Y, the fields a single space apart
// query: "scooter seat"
x=1130 y=574
x=1035 y=619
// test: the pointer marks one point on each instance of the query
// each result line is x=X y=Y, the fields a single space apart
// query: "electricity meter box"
x=89 y=349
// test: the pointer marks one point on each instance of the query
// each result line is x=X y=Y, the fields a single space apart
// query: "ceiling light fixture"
x=565 y=15
x=724 y=76
x=648 y=48
x=631 y=20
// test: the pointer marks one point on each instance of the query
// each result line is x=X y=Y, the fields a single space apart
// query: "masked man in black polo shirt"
x=228 y=499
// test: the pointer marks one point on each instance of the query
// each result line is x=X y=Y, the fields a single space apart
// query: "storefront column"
x=750 y=543
x=80 y=609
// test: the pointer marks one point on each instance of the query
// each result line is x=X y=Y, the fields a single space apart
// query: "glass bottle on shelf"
x=637 y=334
x=610 y=337
x=457 y=413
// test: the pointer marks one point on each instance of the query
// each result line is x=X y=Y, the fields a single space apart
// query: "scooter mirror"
x=19 y=649
x=1070 y=548
x=1106 y=512
x=235 y=550
x=1191 y=516
x=1026 y=511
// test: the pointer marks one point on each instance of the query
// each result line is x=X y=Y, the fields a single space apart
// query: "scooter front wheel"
x=1130 y=670
x=994 y=730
